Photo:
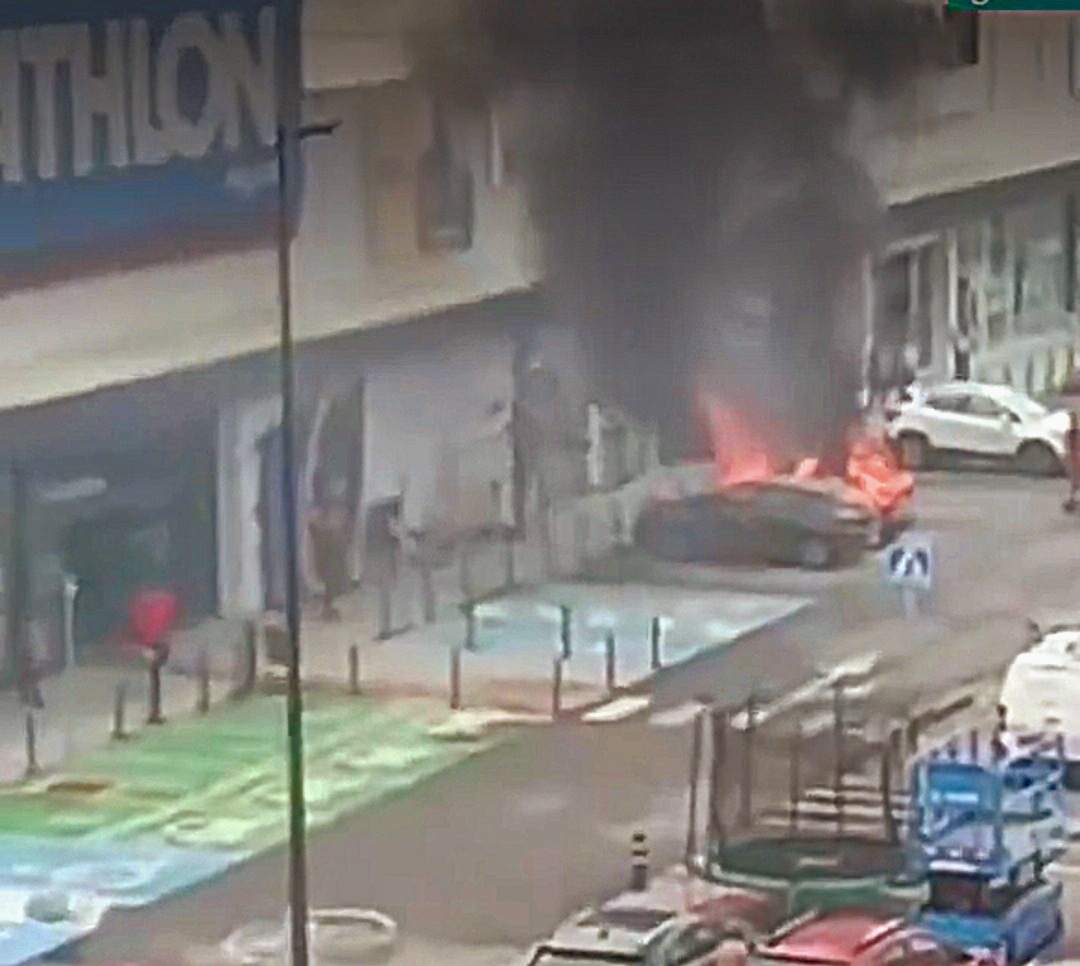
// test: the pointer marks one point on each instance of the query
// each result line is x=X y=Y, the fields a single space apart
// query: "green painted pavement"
x=219 y=782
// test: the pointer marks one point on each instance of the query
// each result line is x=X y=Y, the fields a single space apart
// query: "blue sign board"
x=909 y=563
x=134 y=125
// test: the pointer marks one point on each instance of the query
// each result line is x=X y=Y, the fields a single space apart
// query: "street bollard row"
x=566 y=650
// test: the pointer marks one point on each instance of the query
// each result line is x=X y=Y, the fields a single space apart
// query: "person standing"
x=327 y=529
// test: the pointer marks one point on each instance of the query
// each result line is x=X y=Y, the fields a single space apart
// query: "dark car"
x=775 y=522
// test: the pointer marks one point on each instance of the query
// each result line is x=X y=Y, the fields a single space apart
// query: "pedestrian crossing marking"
x=618 y=710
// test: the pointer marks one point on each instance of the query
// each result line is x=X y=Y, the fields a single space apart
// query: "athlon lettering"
x=125 y=94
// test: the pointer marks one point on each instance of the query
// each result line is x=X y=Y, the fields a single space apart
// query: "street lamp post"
x=290 y=134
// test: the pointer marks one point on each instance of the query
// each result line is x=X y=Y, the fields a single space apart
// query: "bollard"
x=716 y=778
x=973 y=745
x=556 y=690
x=469 y=610
x=354 y=670
x=639 y=862
x=455 y=679
x=154 y=714
x=609 y=662
x=696 y=747
x=747 y=789
x=32 y=767
x=795 y=777
x=838 y=739
x=427 y=592
x=509 y=581
x=246 y=662
x=386 y=610
x=203 y=672
x=564 y=631
x=657 y=660
x=118 y=732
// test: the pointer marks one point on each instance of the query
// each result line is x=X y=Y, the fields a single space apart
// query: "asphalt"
x=500 y=849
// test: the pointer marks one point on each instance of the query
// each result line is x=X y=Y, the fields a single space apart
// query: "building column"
x=958 y=342
x=1071 y=253
x=239 y=537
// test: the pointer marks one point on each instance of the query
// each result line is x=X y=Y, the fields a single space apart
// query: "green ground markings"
x=220 y=781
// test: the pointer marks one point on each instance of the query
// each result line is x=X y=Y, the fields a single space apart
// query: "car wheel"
x=813 y=553
x=1038 y=459
x=914 y=451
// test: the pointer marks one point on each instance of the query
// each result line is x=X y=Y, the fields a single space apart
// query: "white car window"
x=985 y=406
x=952 y=403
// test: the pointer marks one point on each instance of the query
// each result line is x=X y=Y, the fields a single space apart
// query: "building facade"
x=978 y=164
x=139 y=403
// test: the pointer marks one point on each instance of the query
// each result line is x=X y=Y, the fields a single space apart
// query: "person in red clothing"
x=152 y=617
x=1072 y=445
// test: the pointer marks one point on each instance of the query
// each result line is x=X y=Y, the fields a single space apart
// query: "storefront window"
x=1037 y=235
x=113 y=525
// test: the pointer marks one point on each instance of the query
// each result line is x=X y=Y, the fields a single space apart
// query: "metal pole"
x=747 y=789
x=556 y=689
x=288 y=139
x=455 y=678
x=795 y=777
x=654 y=644
x=32 y=767
x=565 y=631
x=695 y=781
x=609 y=662
x=838 y=736
x=354 y=670
x=203 y=673
x=716 y=776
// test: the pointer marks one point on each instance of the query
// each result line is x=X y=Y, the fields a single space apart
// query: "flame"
x=874 y=478
x=739 y=454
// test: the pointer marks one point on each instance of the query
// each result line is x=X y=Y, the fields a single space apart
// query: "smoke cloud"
x=704 y=223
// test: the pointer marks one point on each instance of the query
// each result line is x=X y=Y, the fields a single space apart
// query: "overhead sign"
x=909 y=563
x=124 y=122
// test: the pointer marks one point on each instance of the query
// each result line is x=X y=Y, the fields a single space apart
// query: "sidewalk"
x=78 y=716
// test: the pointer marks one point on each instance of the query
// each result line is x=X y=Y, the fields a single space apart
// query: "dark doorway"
x=381 y=545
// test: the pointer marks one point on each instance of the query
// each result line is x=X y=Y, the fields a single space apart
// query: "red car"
x=858 y=939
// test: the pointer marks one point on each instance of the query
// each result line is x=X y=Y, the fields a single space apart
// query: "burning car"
x=782 y=521
x=877 y=481
x=874 y=482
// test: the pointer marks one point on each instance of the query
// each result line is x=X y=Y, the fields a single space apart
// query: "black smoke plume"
x=704 y=222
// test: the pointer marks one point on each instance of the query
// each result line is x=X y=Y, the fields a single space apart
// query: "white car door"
x=941 y=418
x=990 y=425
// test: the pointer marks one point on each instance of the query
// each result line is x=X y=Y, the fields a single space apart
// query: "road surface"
x=499 y=850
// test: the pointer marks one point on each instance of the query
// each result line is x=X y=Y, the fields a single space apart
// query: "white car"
x=1041 y=691
x=976 y=419
x=675 y=942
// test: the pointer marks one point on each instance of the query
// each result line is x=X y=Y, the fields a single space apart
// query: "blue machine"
x=981 y=831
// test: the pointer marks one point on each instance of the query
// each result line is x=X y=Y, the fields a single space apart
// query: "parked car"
x=806 y=523
x=857 y=938
x=674 y=942
x=979 y=420
x=638 y=926
x=1041 y=690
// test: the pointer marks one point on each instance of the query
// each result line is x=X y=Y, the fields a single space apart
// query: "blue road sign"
x=909 y=564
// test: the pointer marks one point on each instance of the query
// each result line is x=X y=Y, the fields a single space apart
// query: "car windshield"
x=1025 y=407
x=629 y=919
